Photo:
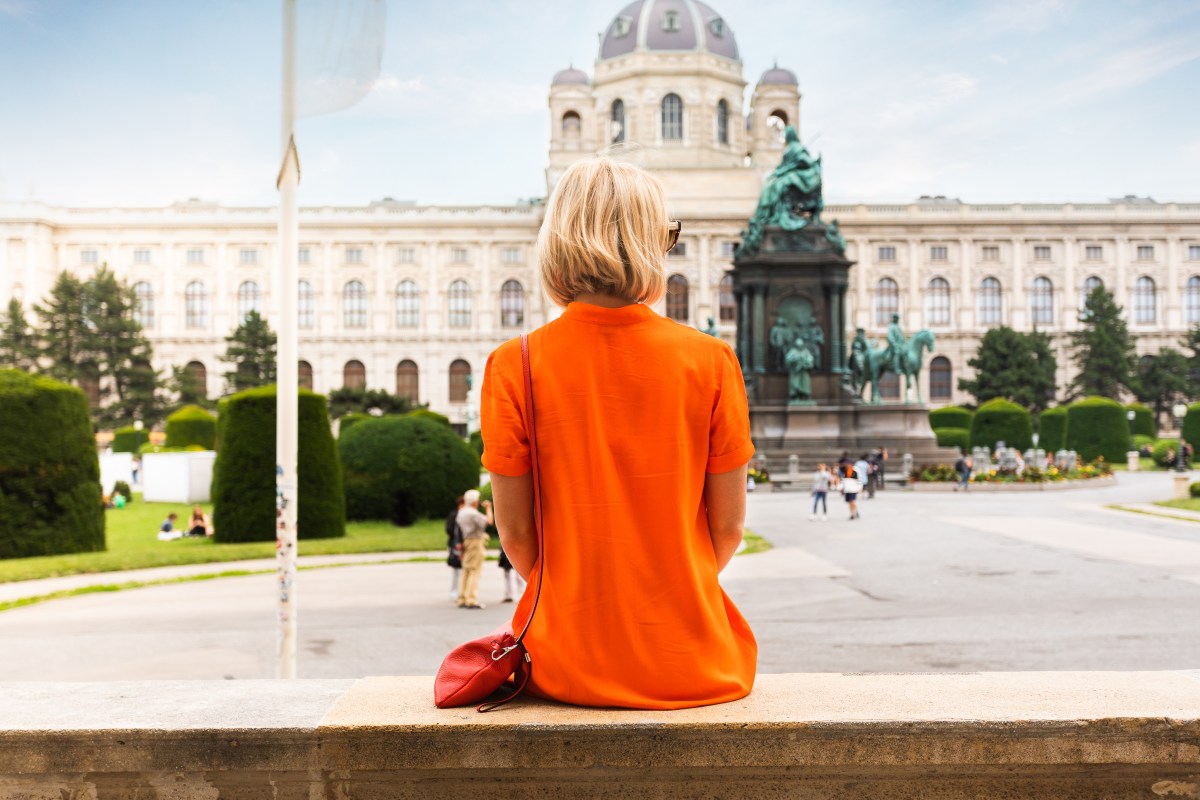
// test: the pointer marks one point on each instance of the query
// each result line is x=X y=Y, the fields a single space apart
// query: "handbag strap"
x=537 y=481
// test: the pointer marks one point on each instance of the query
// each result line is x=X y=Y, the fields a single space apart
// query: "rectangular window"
x=459 y=255
x=1042 y=252
x=88 y=256
x=354 y=255
x=887 y=253
x=727 y=249
x=141 y=256
x=1194 y=252
x=938 y=252
x=1145 y=252
x=248 y=255
x=511 y=255
x=406 y=255
x=303 y=255
x=679 y=250
x=991 y=252
x=195 y=255
x=1093 y=252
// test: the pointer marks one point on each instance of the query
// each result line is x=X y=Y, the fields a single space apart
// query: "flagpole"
x=287 y=408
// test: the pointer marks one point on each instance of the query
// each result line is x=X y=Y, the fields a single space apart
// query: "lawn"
x=132 y=544
x=1189 y=503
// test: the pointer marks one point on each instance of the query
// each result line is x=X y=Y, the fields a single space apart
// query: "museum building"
x=413 y=298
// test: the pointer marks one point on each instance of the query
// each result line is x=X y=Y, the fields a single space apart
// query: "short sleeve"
x=729 y=444
x=502 y=416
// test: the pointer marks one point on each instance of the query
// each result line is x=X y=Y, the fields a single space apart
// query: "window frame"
x=941 y=376
x=249 y=298
x=458 y=304
x=726 y=300
x=1145 y=301
x=195 y=306
x=885 y=301
x=408 y=304
x=990 y=306
x=512 y=304
x=306 y=305
x=670 y=118
x=354 y=305
x=677 y=302
x=937 y=302
x=143 y=310
x=1041 y=301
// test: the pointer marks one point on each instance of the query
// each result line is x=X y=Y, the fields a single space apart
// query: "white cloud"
x=453 y=97
x=932 y=97
x=1134 y=66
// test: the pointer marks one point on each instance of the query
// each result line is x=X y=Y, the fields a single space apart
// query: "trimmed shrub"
x=1097 y=428
x=425 y=413
x=1143 y=420
x=347 y=421
x=1052 y=429
x=50 y=500
x=122 y=488
x=1165 y=452
x=128 y=440
x=404 y=468
x=1191 y=424
x=954 y=437
x=191 y=425
x=1194 y=489
x=150 y=447
x=950 y=417
x=1000 y=420
x=244 y=473
x=1143 y=442
x=476 y=442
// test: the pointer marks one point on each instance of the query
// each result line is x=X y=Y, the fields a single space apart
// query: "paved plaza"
x=922 y=582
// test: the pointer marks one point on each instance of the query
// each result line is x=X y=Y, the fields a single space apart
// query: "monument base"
x=821 y=433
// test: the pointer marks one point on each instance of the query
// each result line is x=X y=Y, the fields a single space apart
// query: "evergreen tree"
x=250 y=350
x=18 y=349
x=64 y=338
x=187 y=389
x=1191 y=344
x=345 y=401
x=1016 y=366
x=1103 y=349
x=1162 y=380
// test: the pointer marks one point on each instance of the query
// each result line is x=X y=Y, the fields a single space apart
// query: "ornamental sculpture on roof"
x=791 y=199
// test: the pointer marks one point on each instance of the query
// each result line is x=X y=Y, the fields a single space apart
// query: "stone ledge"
x=1062 y=735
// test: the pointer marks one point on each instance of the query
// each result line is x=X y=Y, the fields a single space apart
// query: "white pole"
x=287 y=408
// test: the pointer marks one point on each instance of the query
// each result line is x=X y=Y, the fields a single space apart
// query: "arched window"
x=1191 y=300
x=677 y=298
x=249 y=299
x=306 y=310
x=195 y=305
x=940 y=373
x=406 y=380
x=199 y=375
x=460 y=304
x=672 y=118
x=144 y=311
x=571 y=125
x=887 y=300
x=354 y=305
x=991 y=310
x=1089 y=286
x=616 y=130
x=889 y=386
x=408 y=305
x=512 y=304
x=1041 y=301
x=726 y=301
x=937 y=302
x=722 y=122
x=460 y=372
x=777 y=123
x=1145 y=309
x=304 y=375
x=354 y=375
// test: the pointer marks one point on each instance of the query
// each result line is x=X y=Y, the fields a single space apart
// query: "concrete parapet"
x=978 y=735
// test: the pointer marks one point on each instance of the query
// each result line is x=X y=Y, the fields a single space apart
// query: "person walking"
x=963 y=468
x=862 y=469
x=821 y=481
x=643 y=436
x=851 y=485
x=473 y=525
x=454 y=547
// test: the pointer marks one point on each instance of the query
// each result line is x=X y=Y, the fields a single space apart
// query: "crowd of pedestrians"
x=851 y=477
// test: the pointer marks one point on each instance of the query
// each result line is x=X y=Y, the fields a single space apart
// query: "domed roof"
x=778 y=75
x=668 y=26
x=570 y=75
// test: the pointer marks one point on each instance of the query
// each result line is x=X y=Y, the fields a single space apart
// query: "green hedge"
x=1160 y=450
x=404 y=468
x=1141 y=441
x=951 y=417
x=347 y=421
x=128 y=440
x=954 y=437
x=50 y=500
x=1143 y=420
x=1191 y=425
x=1194 y=489
x=1000 y=420
x=1052 y=429
x=192 y=425
x=425 y=413
x=244 y=473
x=476 y=442
x=1096 y=427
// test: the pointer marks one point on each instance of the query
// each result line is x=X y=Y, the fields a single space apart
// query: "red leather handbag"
x=479 y=668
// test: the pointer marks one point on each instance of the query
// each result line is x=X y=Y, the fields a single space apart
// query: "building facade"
x=413 y=298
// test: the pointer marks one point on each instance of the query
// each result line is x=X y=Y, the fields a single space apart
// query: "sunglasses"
x=674 y=227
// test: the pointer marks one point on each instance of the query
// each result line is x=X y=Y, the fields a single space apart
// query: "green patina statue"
x=901 y=357
x=791 y=198
x=711 y=330
x=799 y=363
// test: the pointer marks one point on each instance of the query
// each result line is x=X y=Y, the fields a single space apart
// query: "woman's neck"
x=603 y=300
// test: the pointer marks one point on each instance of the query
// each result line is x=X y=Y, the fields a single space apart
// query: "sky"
x=147 y=102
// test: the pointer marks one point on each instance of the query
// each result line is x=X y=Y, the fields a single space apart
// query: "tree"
x=186 y=387
x=63 y=336
x=1015 y=366
x=345 y=401
x=18 y=349
x=1103 y=349
x=1191 y=343
x=1162 y=380
x=250 y=349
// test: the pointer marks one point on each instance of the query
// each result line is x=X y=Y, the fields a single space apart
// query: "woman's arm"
x=513 y=505
x=725 y=496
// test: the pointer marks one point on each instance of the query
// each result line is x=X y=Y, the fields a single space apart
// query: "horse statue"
x=868 y=364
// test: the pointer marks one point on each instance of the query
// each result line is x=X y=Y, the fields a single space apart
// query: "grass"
x=1189 y=503
x=754 y=544
x=1146 y=464
x=131 y=533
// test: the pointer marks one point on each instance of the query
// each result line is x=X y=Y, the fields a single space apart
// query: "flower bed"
x=943 y=477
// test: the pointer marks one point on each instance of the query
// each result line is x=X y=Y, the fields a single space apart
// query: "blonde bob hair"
x=605 y=231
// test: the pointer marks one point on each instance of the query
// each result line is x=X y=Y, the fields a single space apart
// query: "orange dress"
x=632 y=410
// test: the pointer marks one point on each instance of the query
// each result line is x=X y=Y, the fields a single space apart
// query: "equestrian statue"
x=901 y=357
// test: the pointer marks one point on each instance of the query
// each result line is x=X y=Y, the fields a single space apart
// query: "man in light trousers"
x=474 y=527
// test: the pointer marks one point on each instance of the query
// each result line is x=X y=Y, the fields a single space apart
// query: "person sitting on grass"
x=166 y=531
x=199 y=524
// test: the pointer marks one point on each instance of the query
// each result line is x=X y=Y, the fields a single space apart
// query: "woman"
x=821 y=481
x=643 y=442
x=198 y=524
x=851 y=486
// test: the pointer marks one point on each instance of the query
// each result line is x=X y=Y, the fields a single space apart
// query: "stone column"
x=1121 y=290
x=743 y=327
x=863 y=297
x=1173 y=308
x=431 y=302
x=167 y=304
x=965 y=310
x=1017 y=306
x=330 y=299
x=1070 y=315
x=914 y=313
x=836 y=300
x=760 y=333
x=485 y=317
